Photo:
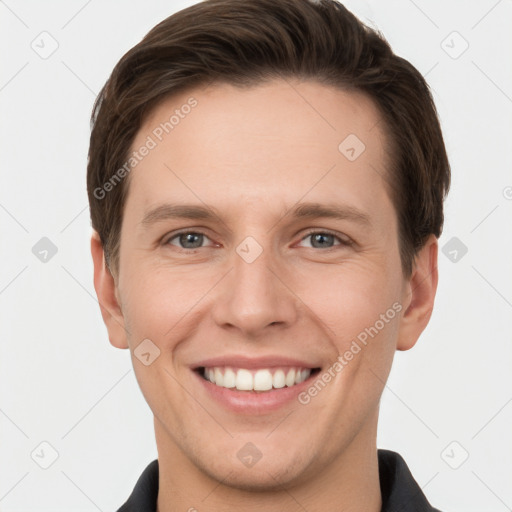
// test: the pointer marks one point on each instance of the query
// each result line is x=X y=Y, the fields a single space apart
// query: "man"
x=266 y=182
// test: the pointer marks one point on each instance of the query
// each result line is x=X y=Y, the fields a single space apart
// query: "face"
x=257 y=283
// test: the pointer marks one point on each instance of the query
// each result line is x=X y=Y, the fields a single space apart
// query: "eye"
x=187 y=240
x=319 y=240
x=325 y=239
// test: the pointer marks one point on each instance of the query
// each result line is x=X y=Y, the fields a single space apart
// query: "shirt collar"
x=400 y=492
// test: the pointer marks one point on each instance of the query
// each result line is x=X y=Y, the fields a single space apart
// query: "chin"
x=266 y=475
x=251 y=480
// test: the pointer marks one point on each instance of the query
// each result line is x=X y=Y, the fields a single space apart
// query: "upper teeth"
x=257 y=380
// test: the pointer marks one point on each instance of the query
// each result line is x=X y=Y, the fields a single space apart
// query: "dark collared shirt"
x=400 y=492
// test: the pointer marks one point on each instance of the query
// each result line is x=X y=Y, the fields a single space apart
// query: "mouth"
x=256 y=380
x=249 y=385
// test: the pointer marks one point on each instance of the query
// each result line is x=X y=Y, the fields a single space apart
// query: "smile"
x=263 y=379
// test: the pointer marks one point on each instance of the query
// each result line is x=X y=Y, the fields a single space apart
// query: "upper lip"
x=242 y=361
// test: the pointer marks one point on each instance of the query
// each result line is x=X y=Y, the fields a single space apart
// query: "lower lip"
x=254 y=402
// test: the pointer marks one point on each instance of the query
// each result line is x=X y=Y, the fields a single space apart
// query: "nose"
x=255 y=295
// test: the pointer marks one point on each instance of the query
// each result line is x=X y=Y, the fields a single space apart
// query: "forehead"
x=249 y=148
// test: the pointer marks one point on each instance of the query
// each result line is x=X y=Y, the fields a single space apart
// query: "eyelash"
x=343 y=242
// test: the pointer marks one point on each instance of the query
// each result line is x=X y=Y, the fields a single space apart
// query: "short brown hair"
x=245 y=43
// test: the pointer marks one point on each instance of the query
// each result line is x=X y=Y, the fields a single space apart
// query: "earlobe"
x=419 y=295
x=107 y=294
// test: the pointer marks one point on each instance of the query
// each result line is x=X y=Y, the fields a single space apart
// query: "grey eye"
x=189 y=240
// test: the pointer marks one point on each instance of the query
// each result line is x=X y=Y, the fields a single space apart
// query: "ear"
x=106 y=290
x=418 y=297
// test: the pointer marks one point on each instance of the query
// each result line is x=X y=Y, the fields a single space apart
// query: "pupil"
x=320 y=237
x=189 y=237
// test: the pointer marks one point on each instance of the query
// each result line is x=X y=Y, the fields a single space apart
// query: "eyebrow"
x=168 y=211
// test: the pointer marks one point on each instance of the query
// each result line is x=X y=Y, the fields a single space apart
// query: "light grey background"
x=64 y=384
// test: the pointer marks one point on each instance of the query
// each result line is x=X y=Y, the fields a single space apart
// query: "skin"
x=251 y=154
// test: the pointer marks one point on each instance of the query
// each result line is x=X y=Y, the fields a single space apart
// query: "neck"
x=347 y=483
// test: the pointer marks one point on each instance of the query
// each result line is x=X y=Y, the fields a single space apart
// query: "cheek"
x=160 y=307
x=356 y=307
x=160 y=301
x=349 y=298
